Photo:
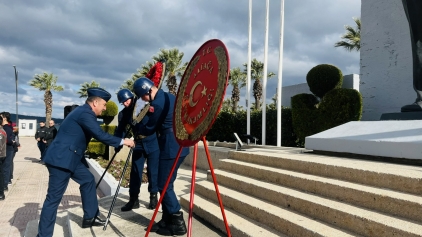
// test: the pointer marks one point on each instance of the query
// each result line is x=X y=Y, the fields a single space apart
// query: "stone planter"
x=109 y=184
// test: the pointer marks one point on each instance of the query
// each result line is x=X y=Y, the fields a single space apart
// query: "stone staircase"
x=292 y=192
x=271 y=191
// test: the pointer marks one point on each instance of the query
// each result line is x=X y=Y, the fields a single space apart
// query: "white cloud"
x=27 y=99
x=81 y=42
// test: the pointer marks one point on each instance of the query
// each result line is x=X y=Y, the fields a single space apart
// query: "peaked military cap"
x=99 y=92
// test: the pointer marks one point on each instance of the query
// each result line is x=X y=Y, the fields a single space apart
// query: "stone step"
x=61 y=228
x=383 y=200
x=358 y=220
x=239 y=225
x=404 y=178
x=280 y=219
x=131 y=223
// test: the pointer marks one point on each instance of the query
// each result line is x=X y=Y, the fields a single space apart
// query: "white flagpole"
x=264 y=79
x=248 y=82
x=280 y=75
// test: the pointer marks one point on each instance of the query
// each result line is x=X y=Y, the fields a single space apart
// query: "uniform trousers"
x=41 y=147
x=7 y=164
x=57 y=184
x=170 y=202
x=2 y=159
x=138 y=161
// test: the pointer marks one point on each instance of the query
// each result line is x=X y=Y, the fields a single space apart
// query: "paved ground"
x=26 y=195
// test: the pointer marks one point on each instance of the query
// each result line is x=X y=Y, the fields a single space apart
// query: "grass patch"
x=116 y=169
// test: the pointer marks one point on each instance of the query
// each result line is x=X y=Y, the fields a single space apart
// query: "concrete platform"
x=397 y=139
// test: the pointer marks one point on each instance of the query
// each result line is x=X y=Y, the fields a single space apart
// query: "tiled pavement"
x=26 y=195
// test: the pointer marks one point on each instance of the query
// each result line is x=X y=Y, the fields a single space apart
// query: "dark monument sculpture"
x=413 y=10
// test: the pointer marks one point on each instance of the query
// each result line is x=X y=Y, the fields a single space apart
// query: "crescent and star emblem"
x=192 y=103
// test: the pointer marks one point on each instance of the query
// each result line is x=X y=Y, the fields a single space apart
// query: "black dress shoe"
x=96 y=221
x=6 y=188
x=132 y=204
x=2 y=197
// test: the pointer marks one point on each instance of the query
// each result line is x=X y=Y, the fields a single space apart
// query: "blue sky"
x=106 y=41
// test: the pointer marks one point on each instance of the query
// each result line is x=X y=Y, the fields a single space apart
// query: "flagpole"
x=264 y=80
x=280 y=76
x=248 y=82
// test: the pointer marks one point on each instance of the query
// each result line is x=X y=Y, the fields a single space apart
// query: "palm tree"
x=227 y=106
x=140 y=72
x=83 y=92
x=174 y=66
x=257 y=71
x=351 y=37
x=237 y=79
x=47 y=83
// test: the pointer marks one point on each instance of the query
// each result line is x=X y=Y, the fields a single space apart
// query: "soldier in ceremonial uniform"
x=50 y=134
x=65 y=160
x=160 y=119
x=146 y=148
x=39 y=136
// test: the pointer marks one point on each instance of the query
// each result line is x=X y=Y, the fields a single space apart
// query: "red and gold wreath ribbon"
x=155 y=73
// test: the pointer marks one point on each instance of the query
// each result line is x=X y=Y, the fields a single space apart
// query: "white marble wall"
x=386 y=59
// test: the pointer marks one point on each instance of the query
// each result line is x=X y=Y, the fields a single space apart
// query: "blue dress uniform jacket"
x=65 y=160
x=148 y=144
x=146 y=148
x=160 y=119
x=68 y=148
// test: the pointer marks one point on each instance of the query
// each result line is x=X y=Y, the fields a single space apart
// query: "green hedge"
x=98 y=148
x=111 y=110
x=338 y=106
x=228 y=123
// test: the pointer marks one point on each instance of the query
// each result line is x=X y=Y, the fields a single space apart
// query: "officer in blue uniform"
x=65 y=160
x=160 y=119
x=146 y=148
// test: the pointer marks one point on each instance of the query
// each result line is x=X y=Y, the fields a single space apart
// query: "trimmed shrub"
x=304 y=116
x=96 y=148
x=111 y=109
x=108 y=128
x=324 y=78
x=337 y=105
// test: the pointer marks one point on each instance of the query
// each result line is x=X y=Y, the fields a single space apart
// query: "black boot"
x=176 y=226
x=165 y=219
x=132 y=204
x=152 y=201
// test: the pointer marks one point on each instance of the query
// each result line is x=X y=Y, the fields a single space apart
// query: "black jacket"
x=41 y=133
x=50 y=135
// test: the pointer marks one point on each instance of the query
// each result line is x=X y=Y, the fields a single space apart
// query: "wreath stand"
x=192 y=189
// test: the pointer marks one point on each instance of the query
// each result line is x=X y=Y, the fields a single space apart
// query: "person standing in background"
x=9 y=148
x=40 y=136
x=3 y=140
x=50 y=134
x=16 y=146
